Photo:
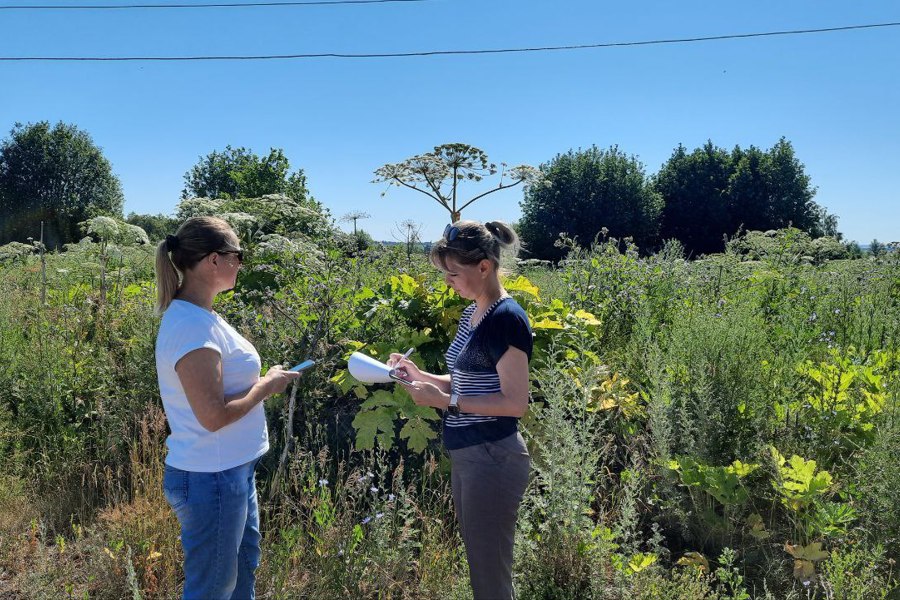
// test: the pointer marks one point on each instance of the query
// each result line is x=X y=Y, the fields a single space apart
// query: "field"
x=714 y=429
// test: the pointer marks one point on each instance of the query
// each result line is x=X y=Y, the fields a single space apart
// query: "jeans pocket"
x=175 y=487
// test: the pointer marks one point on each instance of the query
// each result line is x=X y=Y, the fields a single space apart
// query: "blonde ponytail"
x=166 y=278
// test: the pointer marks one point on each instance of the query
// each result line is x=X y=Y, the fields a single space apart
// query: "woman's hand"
x=428 y=394
x=405 y=368
x=277 y=379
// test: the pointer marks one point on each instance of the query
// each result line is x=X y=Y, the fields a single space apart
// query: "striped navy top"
x=472 y=361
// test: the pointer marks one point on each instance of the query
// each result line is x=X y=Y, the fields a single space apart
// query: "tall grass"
x=695 y=365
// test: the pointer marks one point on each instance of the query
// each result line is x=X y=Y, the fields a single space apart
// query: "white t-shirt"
x=186 y=327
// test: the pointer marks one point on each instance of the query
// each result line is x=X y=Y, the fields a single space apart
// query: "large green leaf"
x=370 y=424
x=417 y=432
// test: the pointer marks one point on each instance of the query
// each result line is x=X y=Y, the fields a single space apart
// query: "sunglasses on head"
x=451 y=232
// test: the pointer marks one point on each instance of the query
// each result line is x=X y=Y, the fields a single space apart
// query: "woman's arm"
x=200 y=373
x=442 y=382
x=512 y=401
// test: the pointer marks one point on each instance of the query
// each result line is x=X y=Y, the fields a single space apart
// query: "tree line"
x=700 y=197
x=58 y=176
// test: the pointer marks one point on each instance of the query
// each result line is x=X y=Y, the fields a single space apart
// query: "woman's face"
x=467 y=280
x=228 y=265
x=225 y=265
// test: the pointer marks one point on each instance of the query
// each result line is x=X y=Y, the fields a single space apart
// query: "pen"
x=393 y=371
x=405 y=355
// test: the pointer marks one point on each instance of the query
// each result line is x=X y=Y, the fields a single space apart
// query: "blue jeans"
x=219 y=520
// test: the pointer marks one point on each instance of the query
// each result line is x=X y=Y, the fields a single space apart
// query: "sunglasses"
x=238 y=253
x=451 y=232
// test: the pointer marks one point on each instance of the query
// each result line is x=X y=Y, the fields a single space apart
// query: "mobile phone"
x=303 y=366
x=400 y=380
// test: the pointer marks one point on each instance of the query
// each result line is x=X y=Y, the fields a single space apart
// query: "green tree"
x=747 y=193
x=587 y=191
x=239 y=173
x=438 y=174
x=854 y=250
x=56 y=175
x=790 y=191
x=694 y=188
x=261 y=186
x=157 y=226
x=710 y=193
x=824 y=223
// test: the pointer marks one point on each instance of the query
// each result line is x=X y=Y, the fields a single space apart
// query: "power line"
x=448 y=52
x=206 y=5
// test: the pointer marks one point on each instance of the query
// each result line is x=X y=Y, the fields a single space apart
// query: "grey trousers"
x=488 y=482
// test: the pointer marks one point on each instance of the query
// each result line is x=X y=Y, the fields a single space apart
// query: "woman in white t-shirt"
x=212 y=395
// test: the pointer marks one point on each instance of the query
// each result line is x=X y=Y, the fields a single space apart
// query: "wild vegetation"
x=720 y=428
x=724 y=427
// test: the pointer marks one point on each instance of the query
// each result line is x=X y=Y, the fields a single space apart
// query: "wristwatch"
x=453 y=407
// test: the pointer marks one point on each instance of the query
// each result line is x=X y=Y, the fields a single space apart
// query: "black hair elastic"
x=171 y=243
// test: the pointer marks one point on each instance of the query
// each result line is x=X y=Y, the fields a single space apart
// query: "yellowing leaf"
x=521 y=284
x=547 y=324
x=641 y=561
x=804 y=570
x=757 y=527
x=587 y=317
x=694 y=559
x=741 y=469
x=812 y=552
x=344 y=380
x=799 y=484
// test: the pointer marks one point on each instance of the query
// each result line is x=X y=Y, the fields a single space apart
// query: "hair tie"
x=171 y=243
x=492 y=228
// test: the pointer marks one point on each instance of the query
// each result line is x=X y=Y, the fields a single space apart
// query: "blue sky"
x=833 y=95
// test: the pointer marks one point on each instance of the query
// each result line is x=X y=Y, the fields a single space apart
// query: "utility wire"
x=207 y=5
x=450 y=52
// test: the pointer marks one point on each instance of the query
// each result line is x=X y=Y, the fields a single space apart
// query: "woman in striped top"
x=483 y=397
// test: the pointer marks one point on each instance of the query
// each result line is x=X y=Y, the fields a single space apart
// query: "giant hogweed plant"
x=844 y=396
x=427 y=315
x=801 y=490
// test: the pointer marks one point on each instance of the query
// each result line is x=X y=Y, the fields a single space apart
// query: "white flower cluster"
x=112 y=230
x=14 y=250
x=241 y=222
x=197 y=207
x=274 y=244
